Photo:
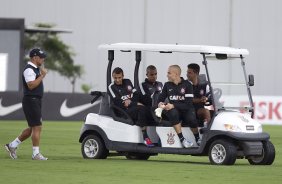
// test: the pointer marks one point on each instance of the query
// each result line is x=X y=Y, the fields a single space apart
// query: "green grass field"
x=60 y=143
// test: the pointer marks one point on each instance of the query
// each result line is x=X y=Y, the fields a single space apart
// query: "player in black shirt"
x=150 y=89
x=179 y=93
x=200 y=91
x=125 y=96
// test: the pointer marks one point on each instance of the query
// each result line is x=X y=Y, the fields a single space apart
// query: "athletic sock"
x=197 y=136
x=15 y=143
x=180 y=137
x=145 y=135
x=35 y=150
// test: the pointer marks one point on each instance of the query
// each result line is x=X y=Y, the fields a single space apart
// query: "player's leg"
x=143 y=122
x=204 y=115
x=174 y=118
x=189 y=119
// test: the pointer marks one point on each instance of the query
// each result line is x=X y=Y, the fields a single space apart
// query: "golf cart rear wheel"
x=267 y=157
x=93 y=147
x=137 y=156
x=222 y=152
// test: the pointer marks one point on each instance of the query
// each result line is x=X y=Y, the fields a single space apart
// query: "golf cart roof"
x=174 y=48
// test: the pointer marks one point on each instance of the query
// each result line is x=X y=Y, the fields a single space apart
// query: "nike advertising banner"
x=67 y=106
x=55 y=106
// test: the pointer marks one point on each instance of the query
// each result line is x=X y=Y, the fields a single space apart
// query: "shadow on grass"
x=176 y=161
x=79 y=159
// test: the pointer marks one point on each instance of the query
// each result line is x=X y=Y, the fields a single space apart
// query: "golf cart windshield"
x=229 y=85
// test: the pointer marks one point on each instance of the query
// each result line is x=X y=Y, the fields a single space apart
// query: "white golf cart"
x=231 y=134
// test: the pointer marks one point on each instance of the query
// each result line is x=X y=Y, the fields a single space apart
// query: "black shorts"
x=32 y=110
x=198 y=106
x=141 y=115
x=188 y=118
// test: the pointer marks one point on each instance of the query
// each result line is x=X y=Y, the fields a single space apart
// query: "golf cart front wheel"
x=93 y=147
x=267 y=157
x=222 y=152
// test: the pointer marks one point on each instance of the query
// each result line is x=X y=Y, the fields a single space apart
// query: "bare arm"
x=33 y=84
x=203 y=99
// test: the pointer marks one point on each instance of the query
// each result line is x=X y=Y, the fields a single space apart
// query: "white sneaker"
x=186 y=143
x=39 y=156
x=12 y=151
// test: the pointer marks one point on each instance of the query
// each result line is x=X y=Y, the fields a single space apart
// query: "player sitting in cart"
x=180 y=94
x=125 y=96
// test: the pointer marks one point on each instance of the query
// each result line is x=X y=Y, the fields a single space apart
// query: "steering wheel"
x=217 y=92
x=96 y=95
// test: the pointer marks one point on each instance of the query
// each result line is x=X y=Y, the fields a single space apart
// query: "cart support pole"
x=248 y=86
x=109 y=69
x=205 y=63
x=136 y=70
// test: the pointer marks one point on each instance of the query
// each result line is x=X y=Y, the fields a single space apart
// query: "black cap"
x=37 y=52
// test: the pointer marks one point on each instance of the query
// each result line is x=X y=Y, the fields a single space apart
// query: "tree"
x=59 y=55
x=85 y=88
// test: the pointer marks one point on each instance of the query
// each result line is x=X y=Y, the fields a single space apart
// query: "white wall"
x=3 y=71
x=259 y=26
x=252 y=24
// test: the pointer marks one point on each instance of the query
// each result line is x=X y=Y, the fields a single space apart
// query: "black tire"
x=267 y=157
x=137 y=156
x=222 y=152
x=93 y=147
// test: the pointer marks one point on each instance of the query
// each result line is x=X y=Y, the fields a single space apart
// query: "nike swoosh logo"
x=8 y=109
x=70 y=111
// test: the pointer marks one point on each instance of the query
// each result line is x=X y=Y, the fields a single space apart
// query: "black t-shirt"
x=120 y=93
x=179 y=95
x=199 y=91
x=38 y=91
x=149 y=92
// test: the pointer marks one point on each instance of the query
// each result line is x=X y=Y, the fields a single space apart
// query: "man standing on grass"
x=32 y=77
